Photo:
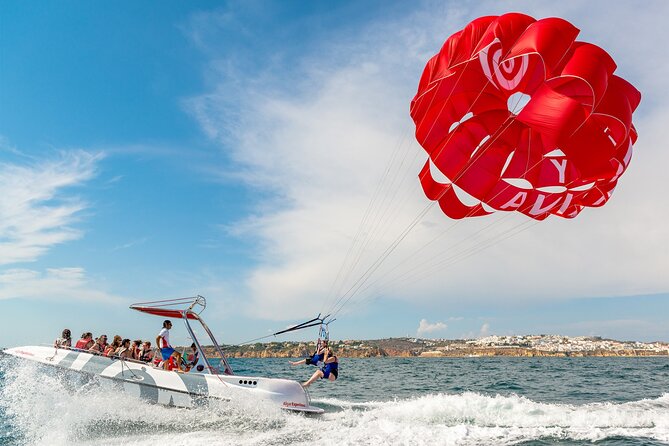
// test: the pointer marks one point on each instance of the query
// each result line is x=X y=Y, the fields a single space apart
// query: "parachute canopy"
x=517 y=115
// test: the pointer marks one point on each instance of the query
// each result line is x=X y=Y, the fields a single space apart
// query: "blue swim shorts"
x=166 y=352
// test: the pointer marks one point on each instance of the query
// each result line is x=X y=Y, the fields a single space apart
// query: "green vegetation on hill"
x=535 y=345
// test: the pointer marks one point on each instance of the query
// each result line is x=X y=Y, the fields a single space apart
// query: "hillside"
x=521 y=346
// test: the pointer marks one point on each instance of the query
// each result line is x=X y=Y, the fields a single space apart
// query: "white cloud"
x=321 y=146
x=425 y=327
x=65 y=284
x=35 y=213
x=130 y=244
x=485 y=330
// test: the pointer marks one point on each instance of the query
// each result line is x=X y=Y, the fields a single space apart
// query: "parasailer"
x=323 y=357
x=329 y=371
x=316 y=359
x=515 y=114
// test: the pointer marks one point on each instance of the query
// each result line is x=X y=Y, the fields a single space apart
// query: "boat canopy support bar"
x=318 y=320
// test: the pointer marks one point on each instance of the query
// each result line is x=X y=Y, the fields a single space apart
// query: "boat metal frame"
x=185 y=309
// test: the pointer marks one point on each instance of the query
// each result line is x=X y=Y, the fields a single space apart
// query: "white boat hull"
x=169 y=387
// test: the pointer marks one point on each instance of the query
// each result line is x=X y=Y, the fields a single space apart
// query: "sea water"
x=377 y=401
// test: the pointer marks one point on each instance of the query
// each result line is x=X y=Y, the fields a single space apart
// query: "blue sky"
x=230 y=149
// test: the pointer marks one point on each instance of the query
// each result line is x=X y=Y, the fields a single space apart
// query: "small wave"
x=472 y=418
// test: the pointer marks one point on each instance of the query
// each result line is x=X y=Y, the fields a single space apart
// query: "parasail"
x=520 y=116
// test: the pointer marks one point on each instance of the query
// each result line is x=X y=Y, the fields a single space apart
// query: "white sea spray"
x=51 y=407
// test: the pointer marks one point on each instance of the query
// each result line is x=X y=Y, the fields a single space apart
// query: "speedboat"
x=204 y=380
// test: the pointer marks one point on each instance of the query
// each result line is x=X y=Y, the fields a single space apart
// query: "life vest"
x=82 y=343
x=331 y=368
x=332 y=365
x=172 y=363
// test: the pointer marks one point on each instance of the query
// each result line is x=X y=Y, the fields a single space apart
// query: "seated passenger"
x=100 y=345
x=146 y=352
x=193 y=355
x=111 y=348
x=135 y=348
x=65 y=339
x=176 y=362
x=124 y=351
x=329 y=371
x=85 y=342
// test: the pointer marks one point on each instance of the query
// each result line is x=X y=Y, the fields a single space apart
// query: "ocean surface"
x=379 y=401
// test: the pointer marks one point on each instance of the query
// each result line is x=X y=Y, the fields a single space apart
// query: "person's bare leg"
x=318 y=374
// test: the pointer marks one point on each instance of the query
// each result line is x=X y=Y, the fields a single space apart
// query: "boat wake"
x=48 y=406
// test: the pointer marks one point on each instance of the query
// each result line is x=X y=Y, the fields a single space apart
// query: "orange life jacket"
x=82 y=343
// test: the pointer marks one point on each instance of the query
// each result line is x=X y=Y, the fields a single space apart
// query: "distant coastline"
x=512 y=346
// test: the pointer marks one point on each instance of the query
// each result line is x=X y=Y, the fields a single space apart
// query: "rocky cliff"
x=409 y=347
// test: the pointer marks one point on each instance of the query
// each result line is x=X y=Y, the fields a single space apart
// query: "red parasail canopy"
x=166 y=312
x=563 y=150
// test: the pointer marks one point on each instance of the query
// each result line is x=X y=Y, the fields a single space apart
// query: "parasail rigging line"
x=427 y=262
x=377 y=231
x=353 y=290
x=403 y=234
x=406 y=281
x=358 y=244
x=430 y=261
x=432 y=264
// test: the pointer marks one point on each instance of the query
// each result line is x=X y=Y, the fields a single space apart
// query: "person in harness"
x=317 y=358
x=329 y=371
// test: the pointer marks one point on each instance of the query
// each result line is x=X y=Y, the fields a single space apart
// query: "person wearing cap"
x=163 y=342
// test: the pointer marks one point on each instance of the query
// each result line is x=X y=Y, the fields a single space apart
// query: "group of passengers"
x=168 y=359
x=118 y=347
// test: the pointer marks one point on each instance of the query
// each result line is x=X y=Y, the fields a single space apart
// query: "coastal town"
x=520 y=346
